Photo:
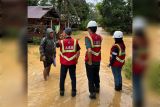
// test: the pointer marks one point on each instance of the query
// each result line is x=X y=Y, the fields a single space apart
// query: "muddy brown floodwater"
x=46 y=93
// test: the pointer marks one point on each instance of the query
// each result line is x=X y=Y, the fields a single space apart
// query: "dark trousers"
x=72 y=73
x=117 y=76
x=137 y=90
x=93 y=77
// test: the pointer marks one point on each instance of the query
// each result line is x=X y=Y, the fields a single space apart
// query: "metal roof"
x=38 y=11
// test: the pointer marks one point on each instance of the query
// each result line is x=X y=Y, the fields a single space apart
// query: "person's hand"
x=43 y=58
x=54 y=62
x=108 y=65
x=89 y=62
x=77 y=56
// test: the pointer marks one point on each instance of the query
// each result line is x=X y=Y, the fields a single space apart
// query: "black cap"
x=68 y=31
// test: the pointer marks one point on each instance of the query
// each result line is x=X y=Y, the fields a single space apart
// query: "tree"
x=33 y=2
x=116 y=15
x=81 y=8
x=93 y=13
x=78 y=8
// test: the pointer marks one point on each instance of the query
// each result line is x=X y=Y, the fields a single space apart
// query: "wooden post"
x=51 y=23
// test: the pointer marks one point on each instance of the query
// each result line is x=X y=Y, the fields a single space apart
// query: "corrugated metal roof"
x=38 y=11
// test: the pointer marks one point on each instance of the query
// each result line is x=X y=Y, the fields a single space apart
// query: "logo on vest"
x=69 y=47
x=69 y=42
x=97 y=42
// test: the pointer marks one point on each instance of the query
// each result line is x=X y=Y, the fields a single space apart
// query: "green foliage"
x=154 y=76
x=147 y=8
x=83 y=25
x=43 y=2
x=115 y=15
x=93 y=12
x=74 y=33
x=36 y=40
x=128 y=68
x=32 y=2
x=81 y=8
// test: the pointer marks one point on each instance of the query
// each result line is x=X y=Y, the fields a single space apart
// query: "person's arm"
x=88 y=46
x=114 y=55
x=89 y=56
x=58 y=44
x=78 y=50
x=42 y=50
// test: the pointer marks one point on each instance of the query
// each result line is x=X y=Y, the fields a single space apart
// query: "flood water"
x=46 y=93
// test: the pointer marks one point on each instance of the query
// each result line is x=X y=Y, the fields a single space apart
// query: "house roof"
x=38 y=11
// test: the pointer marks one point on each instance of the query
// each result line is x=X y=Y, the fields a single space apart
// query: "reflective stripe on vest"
x=118 y=59
x=68 y=59
x=63 y=50
x=92 y=42
x=95 y=53
x=120 y=51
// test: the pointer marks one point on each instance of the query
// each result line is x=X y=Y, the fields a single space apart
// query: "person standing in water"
x=93 y=58
x=48 y=51
x=117 y=59
x=69 y=54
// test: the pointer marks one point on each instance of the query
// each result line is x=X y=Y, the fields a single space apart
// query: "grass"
x=35 y=40
x=154 y=76
x=74 y=33
x=128 y=68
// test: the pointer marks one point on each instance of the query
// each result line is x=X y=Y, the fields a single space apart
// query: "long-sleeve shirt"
x=114 y=54
x=48 y=48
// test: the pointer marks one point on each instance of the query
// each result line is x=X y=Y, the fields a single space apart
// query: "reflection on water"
x=116 y=100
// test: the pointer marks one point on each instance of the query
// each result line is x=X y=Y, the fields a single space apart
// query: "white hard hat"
x=118 y=34
x=92 y=24
x=139 y=23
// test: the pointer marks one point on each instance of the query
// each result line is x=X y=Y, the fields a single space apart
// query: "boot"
x=120 y=87
x=61 y=93
x=92 y=95
x=73 y=93
x=97 y=90
x=117 y=88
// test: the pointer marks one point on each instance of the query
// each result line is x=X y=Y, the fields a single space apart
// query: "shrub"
x=83 y=25
x=36 y=40
x=128 y=68
x=75 y=33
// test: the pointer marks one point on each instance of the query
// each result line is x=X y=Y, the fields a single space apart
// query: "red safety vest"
x=120 y=58
x=95 y=47
x=68 y=51
x=140 y=57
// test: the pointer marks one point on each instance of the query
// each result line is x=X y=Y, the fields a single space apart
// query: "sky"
x=93 y=1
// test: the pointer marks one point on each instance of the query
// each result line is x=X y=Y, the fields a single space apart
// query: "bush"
x=74 y=33
x=128 y=68
x=36 y=40
x=83 y=25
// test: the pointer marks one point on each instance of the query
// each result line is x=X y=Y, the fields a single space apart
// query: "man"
x=117 y=59
x=93 y=58
x=48 y=51
x=69 y=54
